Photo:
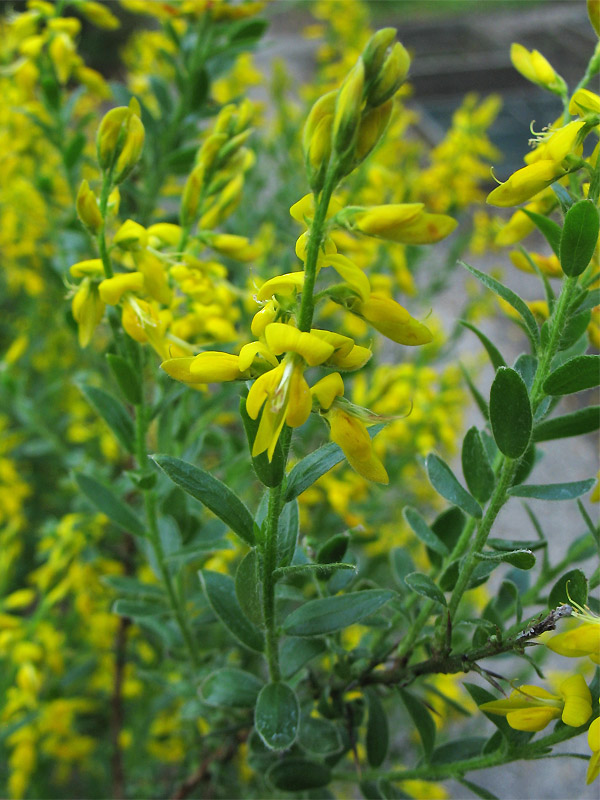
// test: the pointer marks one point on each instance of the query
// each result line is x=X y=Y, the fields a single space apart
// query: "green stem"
x=317 y=227
x=456 y=769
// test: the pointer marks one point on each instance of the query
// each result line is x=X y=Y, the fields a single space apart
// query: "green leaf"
x=277 y=715
x=295 y=653
x=422 y=584
x=220 y=593
x=491 y=349
x=138 y=608
x=377 y=738
x=521 y=559
x=550 y=230
x=511 y=298
x=124 y=584
x=475 y=393
x=479 y=791
x=329 y=614
x=575 y=328
x=319 y=735
x=287 y=533
x=106 y=502
x=585 y=420
x=570 y=587
x=248 y=587
x=315 y=465
x=298 y=775
x=510 y=413
x=424 y=532
x=127 y=379
x=270 y=473
x=575 y=375
x=579 y=237
x=445 y=483
x=526 y=365
x=231 y=688
x=248 y=31
x=458 y=750
x=516 y=544
x=334 y=549
x=553 y=491
x=113 y=413
x=422 y=719
x=478 y=473
x=211 y=492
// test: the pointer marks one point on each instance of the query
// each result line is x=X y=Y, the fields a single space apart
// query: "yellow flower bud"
x=19 y=599
x=324 y=106
x=401 y=222
x=113 y=289
x=99 y=14
x=593 y=7
x=376 y=49
x=372 y=127
x=190 y=198
x=132 y=148
x=319 y=153
x=215 y=367
x=391 y=76
x=87 y=208
x=533 y=66
x=392 y=320
x=348 y=108
x=525 y=183
x=120 y=139
x=92 y=267
x=238 y=247
x=350 y=433
x=165 y=233
x=62 y=53
x=584 y=102
x=179 y=370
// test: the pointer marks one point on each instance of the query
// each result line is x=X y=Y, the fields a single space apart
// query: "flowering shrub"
x=237 y=558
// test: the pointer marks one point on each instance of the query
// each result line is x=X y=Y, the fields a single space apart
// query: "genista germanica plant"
x=210 y=595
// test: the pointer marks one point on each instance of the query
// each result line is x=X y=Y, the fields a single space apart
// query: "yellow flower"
x=594 y=743
x=350 y=433
x=584 y=102
x=525 y=183
x=392 y=320
x=581 y=641
x=87 y=308
x=113 y=289
x=408 y=223
x=531 y=708
x=533 y=66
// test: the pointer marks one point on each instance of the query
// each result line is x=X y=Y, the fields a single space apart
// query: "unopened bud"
x=375 y=51
x=132 y=149
x=371 y=130
x=391 y=76
x=120 y=139
x=87 y=208
x=536 y=68
x=210 y=148
x=131 y=236
x=325 y=106
x=191 y=195
x=593 y=7
x=99 y=15
x=319 y=153
x=348 y=108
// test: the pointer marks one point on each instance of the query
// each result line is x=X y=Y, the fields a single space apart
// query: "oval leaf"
x=510 y=413
x=231 y=688
x=422 y=719
x=319 y=735
x=113 y=413
x=445 y=483
x=575 y=375
x=276 y=716
x=572 y=586
x=126 y=378
x=424 y=532
x=423 y=585
x=478 y=473
x=248 y=587
x=329 y=614
x=585 y=420
x=579 y=237
x=377 y=739
x=298 y=775
x=553 y=491
x=211 y=492
x=106 y=502
x=220 y=593
x=295 y=653
x=287 y=533
x=521 y=559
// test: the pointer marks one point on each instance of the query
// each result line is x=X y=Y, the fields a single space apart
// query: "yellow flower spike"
x=350 y=433
x=87 y=207
x=155 y=277
x=113 y=289
x=88 y=310
x=327 y=389
x=285 y=284
x=90 y=268
x=165 y=233
x=533 y=66
x=131 y=236
x=216 y=367
x=525 y=183
x=578 y=701
x=352 y=275
x=584 y=102
x=283 y=338
x=593 y=737
x=392 y=320
x=250 y=351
